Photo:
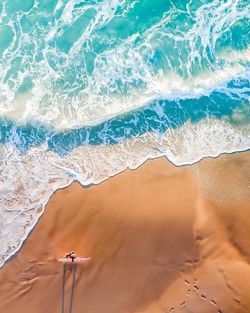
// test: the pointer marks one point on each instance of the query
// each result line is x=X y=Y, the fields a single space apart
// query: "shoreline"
x=111 y=176
x=135 y=221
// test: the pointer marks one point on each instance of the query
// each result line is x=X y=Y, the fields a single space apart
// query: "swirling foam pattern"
x=89 y=88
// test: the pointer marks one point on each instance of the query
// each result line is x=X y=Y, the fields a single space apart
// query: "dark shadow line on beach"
x=63 y=287
x=72 y=288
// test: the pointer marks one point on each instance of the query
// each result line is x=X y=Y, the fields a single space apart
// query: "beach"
x=124 y=141
x=161 y=238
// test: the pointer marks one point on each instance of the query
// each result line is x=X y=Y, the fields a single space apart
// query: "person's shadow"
x=72 y=288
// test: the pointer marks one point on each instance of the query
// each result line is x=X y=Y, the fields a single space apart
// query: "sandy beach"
x=162 y=239
x=125 y=141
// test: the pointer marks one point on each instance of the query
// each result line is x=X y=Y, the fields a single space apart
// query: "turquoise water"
x=89 y=88
x=156 y=117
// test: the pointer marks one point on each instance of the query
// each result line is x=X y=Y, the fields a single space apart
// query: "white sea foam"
x=122 y=77
x=27 y=181
x=242 y=56
x=95 y=108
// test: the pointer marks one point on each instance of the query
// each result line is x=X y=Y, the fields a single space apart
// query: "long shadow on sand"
x=72 y=288
x=63 y=287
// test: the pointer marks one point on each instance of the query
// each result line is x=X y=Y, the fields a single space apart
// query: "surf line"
x=72 y=288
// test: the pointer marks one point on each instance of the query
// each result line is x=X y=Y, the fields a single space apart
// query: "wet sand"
x=161 y=238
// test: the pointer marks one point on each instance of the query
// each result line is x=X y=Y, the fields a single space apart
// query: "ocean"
x=90 y=88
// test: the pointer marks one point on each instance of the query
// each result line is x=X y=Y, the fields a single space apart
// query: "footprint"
x=182 y=303
x=203 y=296
x=213 y=302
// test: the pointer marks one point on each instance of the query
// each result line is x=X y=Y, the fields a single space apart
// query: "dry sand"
x=162 y=239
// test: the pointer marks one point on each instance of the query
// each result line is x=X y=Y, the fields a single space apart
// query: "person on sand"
x=71 y=255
